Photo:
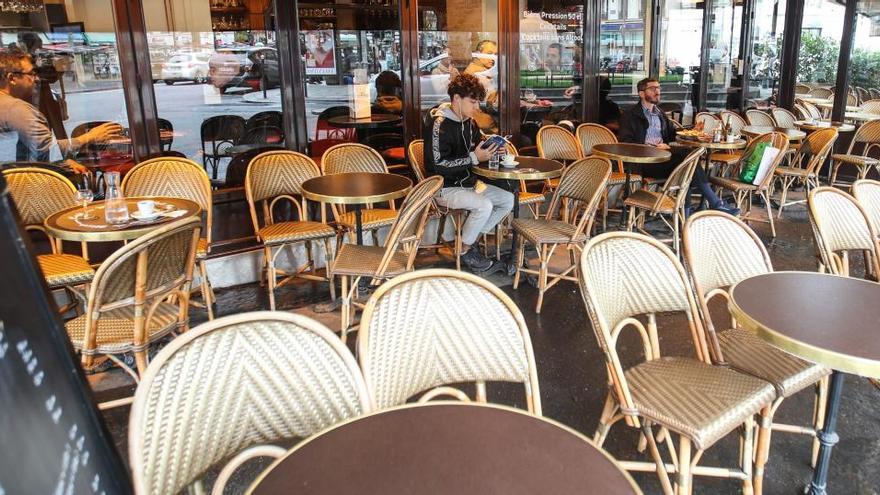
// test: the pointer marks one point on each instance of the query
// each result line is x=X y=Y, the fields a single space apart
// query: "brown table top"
x=374 y=120
x=632 y=152
x=824 y=124
x=757 y=130
x=356 y=188
x=528 y=168
x=737 y=144
x=67 y=225
x=446 y=448
x=827 y=319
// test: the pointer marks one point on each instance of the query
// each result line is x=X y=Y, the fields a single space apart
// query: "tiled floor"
x=572 y=379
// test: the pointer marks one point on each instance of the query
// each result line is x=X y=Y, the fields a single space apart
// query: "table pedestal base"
x=827 y=437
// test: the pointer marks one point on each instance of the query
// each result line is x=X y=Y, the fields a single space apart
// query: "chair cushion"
x=732 y=184
x=861 y=161
x=540 y=231
x=528 y=198
x=747 y=353
x=645 y=200
x=354 y=260
x=282 y=232
x=115 y=332
x=65 y=269
x=726 y=158
x=397 y=154
x=700 y=401
x=372 y=219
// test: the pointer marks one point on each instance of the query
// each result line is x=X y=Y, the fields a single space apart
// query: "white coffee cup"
x=731 y=138
x=146 y=208
x=507 y=158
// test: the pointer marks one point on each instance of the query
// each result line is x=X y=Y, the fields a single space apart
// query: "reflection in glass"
x=820 y=43
x=724 y=42
x=624 y=47
x=766 y=53
x=680 y=41
x=864 y=68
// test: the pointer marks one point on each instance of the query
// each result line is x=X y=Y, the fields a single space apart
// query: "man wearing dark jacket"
x=645 y=123
x=452 y=147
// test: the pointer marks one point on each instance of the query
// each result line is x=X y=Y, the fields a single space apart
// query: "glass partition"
x=820 y=43
x=624 y=47
x=864 y=64
x=767 y=34
x=724 y=89
x=680 y=40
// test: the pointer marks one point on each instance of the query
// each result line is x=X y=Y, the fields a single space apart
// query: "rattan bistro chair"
x=355 y=261
x=229 y=389
x=37 y=194
x=179 y=178
x=760 y=117
x=742 y=192
x=276 y=176
x=557 y=143
x=427 y=330
x=821 y=93
x=669 y=202
x=841 y=225
x=129 y=306
x=784 y=118
x=583 y=185
x=623 y=276
x=868 y=136
x=590 y=135
x=819 y=144
x=867 y=193
x=720 y=251
x=354 y=157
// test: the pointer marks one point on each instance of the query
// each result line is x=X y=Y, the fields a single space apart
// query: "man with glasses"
x=645 y=123
x=18 y=80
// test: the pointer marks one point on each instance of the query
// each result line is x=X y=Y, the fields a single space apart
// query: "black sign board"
x=53 y=441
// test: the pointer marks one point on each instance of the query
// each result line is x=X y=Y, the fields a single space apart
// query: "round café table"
x=68 y=225
x=356 y=189
x=861 y=117
x=840 y=333
x=758 y=130
x=824 y=124
x=371 y=122
x=628 y=154
x=527 y=168
x=244 y=148
x=446 y=447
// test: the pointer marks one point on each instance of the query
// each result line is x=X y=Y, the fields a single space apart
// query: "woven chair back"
x=583 y=185
x=407 y=229
x=174 y=178
x=821 y=93
x=277 y=176
x=868 y=136
x=840 y=224
x=818 y=144
x=679 y=181
x=233 y=383
x=852 y=100
x=867 y=193
x=624 y=275
x=802 y=113
x=871 y=106
x=352 y=157
x=557 y=143
x=784 y=118
x=760 y=117
x=776 y=140
x=735 y=119
x=590 y=135
x=416 y=152
x=437 y=327
x=812 y=110
x=801 y=89
x=38 y=193
x=709 y=120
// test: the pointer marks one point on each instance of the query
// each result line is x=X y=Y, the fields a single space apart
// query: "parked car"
x=186 y=67
x=244 y=68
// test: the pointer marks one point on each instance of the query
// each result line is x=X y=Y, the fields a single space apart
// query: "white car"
x=432 y=86
x=186 y=67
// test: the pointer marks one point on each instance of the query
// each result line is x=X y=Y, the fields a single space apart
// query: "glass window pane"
x=766 y=53
x=209 y=63
x=451 y=41
x=551 y=72
x=724 y=43
x=680 y=41
x=864 y=65
x=624 y=46
x=351 y=59
x=820 y=43
x=77 y=87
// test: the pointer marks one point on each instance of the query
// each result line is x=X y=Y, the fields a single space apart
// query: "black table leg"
x=828 y=436
x=624 y=212
x=513 y=185
x=359 y=225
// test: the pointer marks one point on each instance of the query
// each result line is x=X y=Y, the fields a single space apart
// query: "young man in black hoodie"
x=452 y=147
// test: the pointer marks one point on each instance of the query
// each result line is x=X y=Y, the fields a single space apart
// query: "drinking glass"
x=85 y=196
x=529 y=95
x=493 y=162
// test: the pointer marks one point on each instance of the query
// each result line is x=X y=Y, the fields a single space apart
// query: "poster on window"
x=320 y=53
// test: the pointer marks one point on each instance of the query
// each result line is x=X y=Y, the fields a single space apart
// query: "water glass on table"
x=493 y=161
x=84 y=196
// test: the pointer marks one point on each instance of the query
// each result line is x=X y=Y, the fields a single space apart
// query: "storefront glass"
x=680 y=40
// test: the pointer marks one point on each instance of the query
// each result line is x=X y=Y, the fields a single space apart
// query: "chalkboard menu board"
x=52 y=440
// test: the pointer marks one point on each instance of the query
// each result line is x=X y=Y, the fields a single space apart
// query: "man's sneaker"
x=475 y=261
x=730 y=210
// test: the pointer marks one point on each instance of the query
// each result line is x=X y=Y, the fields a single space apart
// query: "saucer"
x=137 y=215
x=509 y=164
